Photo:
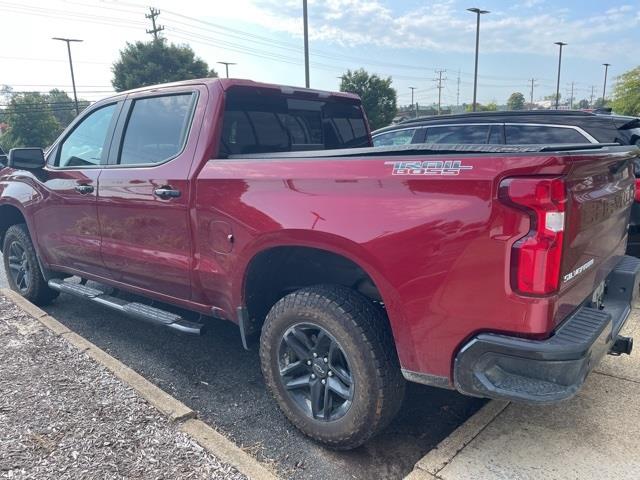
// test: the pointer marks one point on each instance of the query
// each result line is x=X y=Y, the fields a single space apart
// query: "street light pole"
x=226 y=66
x=478 y=12
x=604 y=87
x=560 y=44
x=306 y=43
x=73 y=80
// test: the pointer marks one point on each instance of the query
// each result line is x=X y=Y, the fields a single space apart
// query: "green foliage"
x=63 y=107
x=31 y=122
x=489 y=107
x=516 y=101
x=378 y=96
x=626 y=93
x=149 y=63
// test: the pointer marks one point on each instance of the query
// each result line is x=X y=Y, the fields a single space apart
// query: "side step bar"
x=133 y=309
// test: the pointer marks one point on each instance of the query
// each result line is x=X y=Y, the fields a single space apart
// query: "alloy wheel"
x=19 y=267
x=315 y=372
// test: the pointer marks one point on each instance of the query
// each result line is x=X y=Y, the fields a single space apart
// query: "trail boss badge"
x=429 y=167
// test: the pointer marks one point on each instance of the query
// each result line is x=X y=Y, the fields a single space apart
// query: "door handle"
x=166 y=192
x=84 y=189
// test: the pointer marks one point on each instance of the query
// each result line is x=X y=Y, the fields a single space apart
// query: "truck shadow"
x=215 y=376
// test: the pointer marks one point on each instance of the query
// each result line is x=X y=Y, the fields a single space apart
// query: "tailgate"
x=600 y=190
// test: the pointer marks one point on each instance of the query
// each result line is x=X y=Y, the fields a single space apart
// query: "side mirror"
x=26 y=158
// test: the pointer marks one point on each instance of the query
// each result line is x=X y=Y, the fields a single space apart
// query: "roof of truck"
x=227 y=83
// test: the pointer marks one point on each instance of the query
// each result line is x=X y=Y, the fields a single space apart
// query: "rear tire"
x=22 y=267
x=348 y=348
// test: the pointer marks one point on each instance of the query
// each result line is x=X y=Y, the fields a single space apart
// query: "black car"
x=523 y=127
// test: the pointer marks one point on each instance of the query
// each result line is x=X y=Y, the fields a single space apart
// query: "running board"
x=135 y=310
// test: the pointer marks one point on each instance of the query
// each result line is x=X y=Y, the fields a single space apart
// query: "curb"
x=433 y=462
x=207 y=437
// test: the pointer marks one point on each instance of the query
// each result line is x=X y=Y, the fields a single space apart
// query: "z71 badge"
x=429 y=167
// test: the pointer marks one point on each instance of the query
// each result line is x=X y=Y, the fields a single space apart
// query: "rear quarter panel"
x=437 y=247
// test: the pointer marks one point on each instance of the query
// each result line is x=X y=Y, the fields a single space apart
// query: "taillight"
x=536 y=258
x=637 y=194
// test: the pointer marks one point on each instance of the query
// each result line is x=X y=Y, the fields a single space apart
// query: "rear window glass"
x=531 y=134
x=460 y=134
x=256 y=122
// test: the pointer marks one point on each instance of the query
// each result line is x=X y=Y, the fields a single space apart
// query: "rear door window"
x=258 y=122
x=157 y=129
x=458 y=134
x=398 y=137
x=542 y=134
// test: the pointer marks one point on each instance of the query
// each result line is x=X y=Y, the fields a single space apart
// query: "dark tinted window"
x=529 y=134
x=157 y=129
x=462 y=134
x=496 y=135
x=255 y=122
x=397 y=137
x=87 y=144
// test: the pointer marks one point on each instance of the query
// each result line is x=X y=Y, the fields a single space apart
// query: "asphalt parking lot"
x=215 y=376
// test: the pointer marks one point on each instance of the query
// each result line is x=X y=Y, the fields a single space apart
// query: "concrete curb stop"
x=207 y=437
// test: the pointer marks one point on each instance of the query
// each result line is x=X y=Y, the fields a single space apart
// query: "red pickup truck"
x=498 y=271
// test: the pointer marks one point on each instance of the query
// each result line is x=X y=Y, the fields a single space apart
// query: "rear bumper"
x=546 y=371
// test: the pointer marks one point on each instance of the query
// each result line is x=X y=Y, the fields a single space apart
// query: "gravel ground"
x=63 y=416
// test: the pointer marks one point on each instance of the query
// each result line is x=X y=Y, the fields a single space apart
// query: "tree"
x=63 y=107
x=584 y=103
x=626 y=93
x=379 y=99
x=148 y=63
x=600 y=103
x=489 y=107
x=31 y=122
x=516 y=101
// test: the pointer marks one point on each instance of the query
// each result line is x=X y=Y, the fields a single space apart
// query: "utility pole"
x=592 y=89
x=571 y=97
x=604 y=87
x=306 y=43
x=439 y=81
x=226 y=66
x=533 y=84
x=560 y=44
x=458 y=91
x=415 y=111
x=152 y=15
x=478 y=12
x=73 y=79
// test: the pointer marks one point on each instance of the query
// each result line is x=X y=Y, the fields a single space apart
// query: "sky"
x=407 y=40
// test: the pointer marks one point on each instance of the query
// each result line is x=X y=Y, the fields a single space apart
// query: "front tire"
x=329 y=360
x=22 y=267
